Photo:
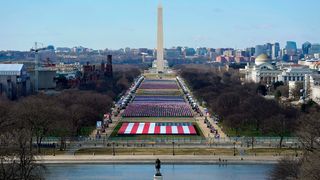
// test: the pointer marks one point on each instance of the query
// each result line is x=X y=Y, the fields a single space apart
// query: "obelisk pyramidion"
x=160 y=56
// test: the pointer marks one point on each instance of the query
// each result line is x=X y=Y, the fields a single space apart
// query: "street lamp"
x=54 y=149
x=113 y=152
x=173 y=148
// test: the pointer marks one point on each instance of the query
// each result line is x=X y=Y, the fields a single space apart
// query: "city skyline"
x=115 y=25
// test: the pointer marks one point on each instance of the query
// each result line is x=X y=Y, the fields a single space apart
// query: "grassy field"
x=273 y=151
x=159 y=92
x=156 y=76
x=155 y=151
x=186 y=151
x=49 y=151
x=248 y=132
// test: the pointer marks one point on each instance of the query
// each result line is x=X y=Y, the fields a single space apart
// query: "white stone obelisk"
x=160 y=55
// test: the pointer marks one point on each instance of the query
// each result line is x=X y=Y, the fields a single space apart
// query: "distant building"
x=201 y=51
x=275 y=51
x=109 y=69
x=312 y=87
x=213 y=56
x=47 y=79
x=63 y=50
x=47 y=56
x=263 y=71
x=230 y=59
x=305 y=48
x=221 y=59
x=294 y=73
x=172 y=53
x=260 y=49
x=14 y=81
x=220 y=51
x=143 y=50
x=250 y=51
x=240 y=53
x=240 y=59
x=291 y=48
x=229 y=52
x=268 y=47
x=314 y=49
x=189 y=51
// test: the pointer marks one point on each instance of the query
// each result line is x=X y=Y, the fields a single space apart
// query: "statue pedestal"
x=157 y=177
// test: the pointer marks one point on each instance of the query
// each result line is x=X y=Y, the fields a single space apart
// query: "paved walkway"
x=203 y=126
x=185 y=159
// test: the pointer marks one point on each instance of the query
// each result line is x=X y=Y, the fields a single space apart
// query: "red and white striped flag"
x=157 y=128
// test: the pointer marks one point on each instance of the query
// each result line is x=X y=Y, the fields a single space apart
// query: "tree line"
x=26 y=122
x=241 y=106
x=308 y=166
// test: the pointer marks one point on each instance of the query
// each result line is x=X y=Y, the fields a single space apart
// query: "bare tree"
x=309 y=131
x=287 y=168
x=308 y=167
x=16 y=159
x=37 y=113
x=280 y=126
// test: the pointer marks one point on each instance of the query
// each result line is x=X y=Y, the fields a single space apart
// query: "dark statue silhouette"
x=158 y=166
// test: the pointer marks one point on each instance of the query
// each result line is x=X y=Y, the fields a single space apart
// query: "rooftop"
x=11 y=69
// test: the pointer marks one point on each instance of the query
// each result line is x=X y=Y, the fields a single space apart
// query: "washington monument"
x=160 y=56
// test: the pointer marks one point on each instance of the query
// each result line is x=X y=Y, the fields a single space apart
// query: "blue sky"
x=114 y=24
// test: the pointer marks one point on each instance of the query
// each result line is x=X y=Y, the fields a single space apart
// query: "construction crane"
x=36 y=50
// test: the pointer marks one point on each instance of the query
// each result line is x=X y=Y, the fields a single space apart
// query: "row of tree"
x=26 y=122
x=240 y=106
x=308 y=166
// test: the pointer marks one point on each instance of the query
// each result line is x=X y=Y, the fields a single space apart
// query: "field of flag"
x=162 y=109
x=164 y=128
x=159 y=84
x=158 y=100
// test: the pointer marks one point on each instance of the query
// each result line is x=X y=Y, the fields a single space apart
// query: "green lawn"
x=250 y=132
x=273 y=151
x=86 y=131
x=123 y=150
x=155 y=151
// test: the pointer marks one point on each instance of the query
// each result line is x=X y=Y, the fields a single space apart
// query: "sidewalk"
x=166 y=159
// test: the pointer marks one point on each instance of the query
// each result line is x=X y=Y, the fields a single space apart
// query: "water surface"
x=146 y=172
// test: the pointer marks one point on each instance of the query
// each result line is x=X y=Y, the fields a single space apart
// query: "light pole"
x=54 y=149
x=113 y=152
x=173 y=148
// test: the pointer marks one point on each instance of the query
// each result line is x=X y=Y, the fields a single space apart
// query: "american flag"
x=165 y=128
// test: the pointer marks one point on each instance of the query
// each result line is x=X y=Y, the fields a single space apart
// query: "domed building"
x=262 y=71
x=263 y=58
